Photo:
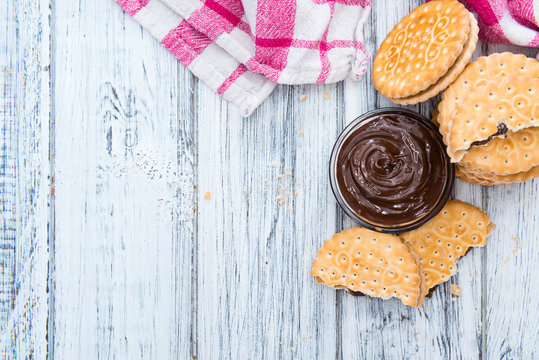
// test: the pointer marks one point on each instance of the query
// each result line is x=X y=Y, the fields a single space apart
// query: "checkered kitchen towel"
x=507 y=21
x=242 y=48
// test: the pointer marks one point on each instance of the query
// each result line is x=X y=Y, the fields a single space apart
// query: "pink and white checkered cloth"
x=242 y=48
x=507 y=21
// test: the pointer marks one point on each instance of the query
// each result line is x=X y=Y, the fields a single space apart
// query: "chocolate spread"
x=502 y=130
x=392 y=170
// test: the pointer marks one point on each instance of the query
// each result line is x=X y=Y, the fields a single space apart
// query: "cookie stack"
x=489 y=120
x=407 y=266
x=425 y=52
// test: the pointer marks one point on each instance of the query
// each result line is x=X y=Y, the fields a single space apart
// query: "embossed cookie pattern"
x=421 y=48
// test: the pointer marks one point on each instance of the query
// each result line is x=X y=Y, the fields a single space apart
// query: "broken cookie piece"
x=446 y=238
x=375 y=264
x=406 y=266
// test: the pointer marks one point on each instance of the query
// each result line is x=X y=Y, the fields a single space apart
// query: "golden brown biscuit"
x=477 y=73
x=507 y=101
x=496 y=179
x=421 y=48
x=453 y=72
x=443 y=240
x=517 y=152
x=373 y=263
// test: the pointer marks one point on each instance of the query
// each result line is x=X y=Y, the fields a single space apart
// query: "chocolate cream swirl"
x=392 y=170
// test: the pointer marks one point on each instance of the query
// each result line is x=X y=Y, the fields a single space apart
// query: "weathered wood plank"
x=263 y=225
x=510 y=263
x=24 y=177
x=125 y=171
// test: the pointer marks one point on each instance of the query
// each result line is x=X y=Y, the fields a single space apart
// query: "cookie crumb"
x=327 y=96
x=207 y=195
x=506 y=260
x=296 y=193
x=194 y=187
x=265 y=180
x=515 y=252
x=300 y=133
x=9 y=71
x=514 y=239
x=303 y=97
x=292 y=348
x=456 y=290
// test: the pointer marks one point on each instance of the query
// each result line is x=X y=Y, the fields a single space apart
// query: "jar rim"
x=348 y=131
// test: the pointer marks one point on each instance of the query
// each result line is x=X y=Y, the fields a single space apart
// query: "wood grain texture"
x=180 y=229
x=24 y=178
x=124 y=190
x=261 y=228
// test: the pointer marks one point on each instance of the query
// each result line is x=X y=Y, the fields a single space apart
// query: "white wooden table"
x=109 y=249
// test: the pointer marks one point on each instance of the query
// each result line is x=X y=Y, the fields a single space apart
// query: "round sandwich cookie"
x=476 y=74
x=425 y=52
x=482 y=179
x=451 y=74
x=517 y=152
x=489 y=120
